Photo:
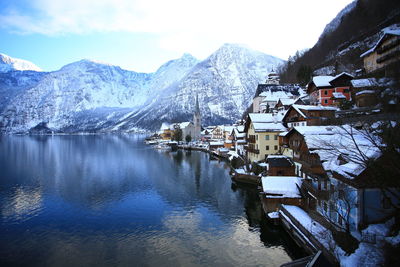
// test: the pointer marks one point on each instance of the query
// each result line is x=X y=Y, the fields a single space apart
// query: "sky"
x=141 y=35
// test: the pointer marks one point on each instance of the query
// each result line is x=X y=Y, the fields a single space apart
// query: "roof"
x=281 y=186
x=164 y=126
x=332 y=142
x=338 y=95
x=268 y=127
x=391 y=30
x=322 y=81
x=185 y=124
x=279 y=161
x=310 y=107
x=271 y=95
x=262 y=117
x=370 y=82
x=366 y=92
x=287 y=101
x=316 y=130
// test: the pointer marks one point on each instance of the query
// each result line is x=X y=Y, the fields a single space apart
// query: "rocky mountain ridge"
x=88 y=96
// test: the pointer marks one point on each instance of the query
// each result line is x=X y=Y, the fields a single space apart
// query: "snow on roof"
x=281 y=186
x=317 y=130
x=310 y=107
x=338 y=95
x=287 y=101
x=164 y=126
x=341 y=74
x=365 y=92
x=275 y=95
x=228 y=128
x=283 y=133
x=276 y=157
x=185 y=124
x=262 y=117
x=322 y=81
x=216 y=143
x=391 y=30
x=351 y=145
x=268 y=127
x=370 y=82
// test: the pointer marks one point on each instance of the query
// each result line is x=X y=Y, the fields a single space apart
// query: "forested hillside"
x=338 y=49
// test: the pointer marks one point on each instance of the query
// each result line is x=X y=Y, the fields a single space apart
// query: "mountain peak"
x=8 y=63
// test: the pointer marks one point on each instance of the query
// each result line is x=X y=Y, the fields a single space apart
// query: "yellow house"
x=384 y=53
x=262 y=132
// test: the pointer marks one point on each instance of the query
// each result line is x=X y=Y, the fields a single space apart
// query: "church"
x=197 y=121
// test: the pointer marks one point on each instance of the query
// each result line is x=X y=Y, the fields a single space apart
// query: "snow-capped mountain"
x=225 y=83
x=8 y=63
x=92 y=96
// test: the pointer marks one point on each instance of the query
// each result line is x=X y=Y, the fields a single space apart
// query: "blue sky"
x=141 y=35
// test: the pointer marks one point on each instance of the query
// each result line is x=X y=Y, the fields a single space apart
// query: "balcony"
x=252 y=150
x=319 y=194
x=251 y=139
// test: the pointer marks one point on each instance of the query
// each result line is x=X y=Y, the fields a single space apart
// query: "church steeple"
x=197 y=120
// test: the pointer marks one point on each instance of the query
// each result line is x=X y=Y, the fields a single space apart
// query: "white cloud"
x=275 y=27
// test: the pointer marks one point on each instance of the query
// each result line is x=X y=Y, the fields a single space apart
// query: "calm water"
x=112 y=201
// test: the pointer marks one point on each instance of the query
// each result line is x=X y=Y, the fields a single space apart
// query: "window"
x=256 y=136
x=276 y=147
x=326 y=92
x=345 y=90
x=276 y=137
x=325 y=207
x=267 y=147
x=267 y=137
x=326 y=101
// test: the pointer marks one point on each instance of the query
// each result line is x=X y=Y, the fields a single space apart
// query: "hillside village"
x=324 y=156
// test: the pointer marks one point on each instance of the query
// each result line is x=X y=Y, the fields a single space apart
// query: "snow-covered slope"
x=92 y=96
x=8 y=63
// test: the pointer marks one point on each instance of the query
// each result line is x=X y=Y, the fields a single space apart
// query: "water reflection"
x=110 y=200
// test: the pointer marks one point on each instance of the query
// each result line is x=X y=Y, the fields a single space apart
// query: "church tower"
x=197 y=121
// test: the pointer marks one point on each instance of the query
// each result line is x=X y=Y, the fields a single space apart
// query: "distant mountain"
x=8 y=63
x=89 y=96
x=225 y=83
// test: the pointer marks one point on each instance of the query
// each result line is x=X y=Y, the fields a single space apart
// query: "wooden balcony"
x=252 y=150
x=251 y=139
x=319 y=194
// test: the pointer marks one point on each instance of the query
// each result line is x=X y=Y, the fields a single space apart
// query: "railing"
x=252 y=150
x=251 y=139
x=314 y=243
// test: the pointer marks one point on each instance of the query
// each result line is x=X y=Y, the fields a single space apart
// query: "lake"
x=110 y=200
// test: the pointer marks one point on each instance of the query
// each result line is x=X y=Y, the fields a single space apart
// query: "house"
x=336 y=181
x=385 y=53
x=277 y=190
x=279 y=165
x=228 y=139
x=303 y=115
x=239 y=139
x=206 y=135
x=327 y=90
x=271 y=98
x=262 y=130
x=365 y=91
x=217 y=133
x=285 y=103
x=267 y=95
x=165 y=131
